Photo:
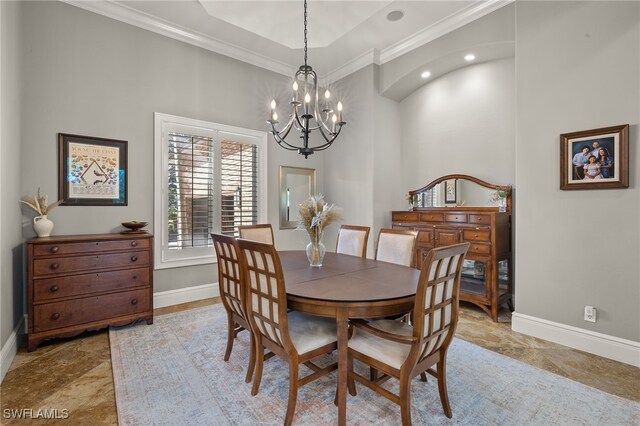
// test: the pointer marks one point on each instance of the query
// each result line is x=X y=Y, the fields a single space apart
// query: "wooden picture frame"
x=92 y=171
x=595 y=159
x=450 y=191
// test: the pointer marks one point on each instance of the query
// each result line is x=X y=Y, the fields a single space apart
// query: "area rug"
x=172 y=373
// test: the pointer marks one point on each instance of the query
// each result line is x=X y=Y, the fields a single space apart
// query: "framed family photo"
x=595 y=159
x=92 y=171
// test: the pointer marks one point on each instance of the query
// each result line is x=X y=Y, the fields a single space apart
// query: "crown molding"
x=440 y=28
x=148 y=22
x=371 y=56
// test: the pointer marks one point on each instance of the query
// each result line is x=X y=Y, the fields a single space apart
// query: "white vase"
x=42 y=225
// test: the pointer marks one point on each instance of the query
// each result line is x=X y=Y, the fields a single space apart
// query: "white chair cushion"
x=261 y=235
x=309 y=332
x=387 y=351
x=350 y=242
x=395 y=248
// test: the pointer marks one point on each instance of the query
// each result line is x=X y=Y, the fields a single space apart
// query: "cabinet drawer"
x=477 y=235
x=94 y=308
x=88 y=247
x=64 y=265
x=456 y=217
x=432 y=217
x=480 y=219
x=424 y=235
x=79 y=285
x=404 y=216
x=480 y=248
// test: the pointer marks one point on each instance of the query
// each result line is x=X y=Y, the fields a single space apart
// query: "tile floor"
x=75 y=374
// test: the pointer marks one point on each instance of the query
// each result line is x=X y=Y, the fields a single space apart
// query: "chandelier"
x=308 y=111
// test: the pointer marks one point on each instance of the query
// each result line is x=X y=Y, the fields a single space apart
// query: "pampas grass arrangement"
x=315 y=215
x=40 y=204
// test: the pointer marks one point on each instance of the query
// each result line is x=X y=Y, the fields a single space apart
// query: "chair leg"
x=442 y=386
x=252 y=357
x=351 y=384
x=373 y=374
x=405 y=400
x=423 y=376
x=293 y=392
x=231 y=325
x=259 y=363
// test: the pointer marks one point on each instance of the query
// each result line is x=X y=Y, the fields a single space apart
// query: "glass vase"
x=315 y=253
x=502 y=205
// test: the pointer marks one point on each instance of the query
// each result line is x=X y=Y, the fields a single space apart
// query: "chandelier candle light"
x=309 y=114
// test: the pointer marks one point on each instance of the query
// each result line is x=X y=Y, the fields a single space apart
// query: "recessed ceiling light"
x=470 y=57
x=395 y=15
x=425 y=74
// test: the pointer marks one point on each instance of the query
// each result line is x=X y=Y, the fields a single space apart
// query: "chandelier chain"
x=305 y=32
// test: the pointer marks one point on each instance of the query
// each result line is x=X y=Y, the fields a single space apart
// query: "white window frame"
x=165 y=258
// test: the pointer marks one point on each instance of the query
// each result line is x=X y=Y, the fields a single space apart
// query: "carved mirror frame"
x=506 y=188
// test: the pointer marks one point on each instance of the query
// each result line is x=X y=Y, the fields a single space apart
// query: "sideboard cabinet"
x=87 y=282
x=487 y=278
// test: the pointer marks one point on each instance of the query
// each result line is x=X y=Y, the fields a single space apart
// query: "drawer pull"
x=54 y=249
x=134 y=301
x=55 y=316
x=135 y=277
x=55 y=266
x=475 y=235
x=134 y=258
x=53 y=288
x=134 y=243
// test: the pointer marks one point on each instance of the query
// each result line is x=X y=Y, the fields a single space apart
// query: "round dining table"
x=347 y=287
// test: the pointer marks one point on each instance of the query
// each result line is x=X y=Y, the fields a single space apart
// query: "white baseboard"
x=611 y=347
x=185 y=295
x=10 y=348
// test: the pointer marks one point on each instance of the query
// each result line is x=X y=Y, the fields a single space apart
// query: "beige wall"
x=463 y=122
x=11 y=288
x=578 y=68
x=90 y=75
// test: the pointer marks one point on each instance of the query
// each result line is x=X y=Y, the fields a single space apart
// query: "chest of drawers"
x=87 y=282
x=487 y=272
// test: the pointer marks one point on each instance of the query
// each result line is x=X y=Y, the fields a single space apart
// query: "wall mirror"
x=461 y=191
x=296 y=185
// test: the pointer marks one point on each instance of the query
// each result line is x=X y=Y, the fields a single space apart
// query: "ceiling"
x=343 y=35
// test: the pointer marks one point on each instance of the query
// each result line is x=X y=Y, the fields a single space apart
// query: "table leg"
x=342 y=322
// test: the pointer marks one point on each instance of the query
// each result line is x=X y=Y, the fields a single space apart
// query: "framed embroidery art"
x=92 y=171
x=595 y=159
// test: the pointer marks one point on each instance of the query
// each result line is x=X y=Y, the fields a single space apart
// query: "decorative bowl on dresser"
x=87 y=282
x=442 y=217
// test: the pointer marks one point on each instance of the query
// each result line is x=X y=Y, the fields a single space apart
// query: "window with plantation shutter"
x=209 y=178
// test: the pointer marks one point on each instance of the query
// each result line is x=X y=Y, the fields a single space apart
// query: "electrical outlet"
x=590 y=313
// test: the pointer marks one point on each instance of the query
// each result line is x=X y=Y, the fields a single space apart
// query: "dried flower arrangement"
x=315 y=215
x=40 y=204
x=500 y=194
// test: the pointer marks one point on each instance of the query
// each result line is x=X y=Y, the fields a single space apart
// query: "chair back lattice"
x=396 y=246
x=353 y=240
x=262 y=232
x=436 y=308
x=267 y=300
x=230 y=277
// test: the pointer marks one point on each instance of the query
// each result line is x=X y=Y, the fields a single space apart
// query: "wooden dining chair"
x=404 y=351
x=352 y=240
x=396 y=246
x=233 y=294
x=262 y=232
x=294 y=336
